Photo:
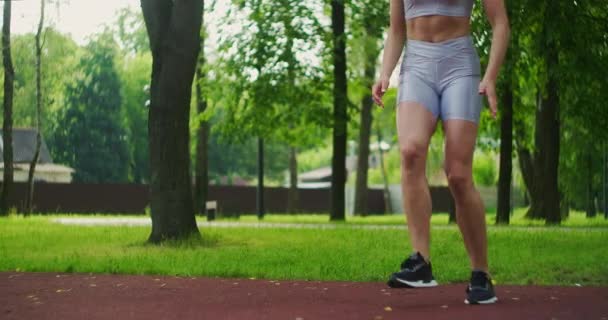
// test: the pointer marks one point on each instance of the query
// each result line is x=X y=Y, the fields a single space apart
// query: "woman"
x=441 y=78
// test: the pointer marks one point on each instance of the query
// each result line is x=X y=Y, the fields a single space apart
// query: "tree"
x=174 y=35
x=88 y=134
x=274 y=95
x=134 y=61
x=369 y=20
x=134 y=77
x=130 y=31
x=503 y=209
x=340 y=116
x=7 y=127
x=30 y=176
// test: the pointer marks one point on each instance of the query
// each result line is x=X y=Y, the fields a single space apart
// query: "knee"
x=412 y=156
x=459 y=179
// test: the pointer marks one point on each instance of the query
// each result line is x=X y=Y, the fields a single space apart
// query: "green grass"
x=517 y=256
x=575 y=220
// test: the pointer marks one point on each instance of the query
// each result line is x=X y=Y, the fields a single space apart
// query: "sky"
x=79 y=18
x=82 y=18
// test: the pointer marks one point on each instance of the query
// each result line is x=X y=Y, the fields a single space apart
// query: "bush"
x=484 y=169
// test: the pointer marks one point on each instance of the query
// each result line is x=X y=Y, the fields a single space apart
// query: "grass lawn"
x=576 y=219
x=517 y=256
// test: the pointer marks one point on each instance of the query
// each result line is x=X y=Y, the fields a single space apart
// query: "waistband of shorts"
x=439 y=49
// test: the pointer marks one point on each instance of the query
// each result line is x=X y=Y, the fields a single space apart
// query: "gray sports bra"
x=454 y=8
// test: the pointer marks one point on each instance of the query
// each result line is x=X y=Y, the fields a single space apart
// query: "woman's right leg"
x=415 y=127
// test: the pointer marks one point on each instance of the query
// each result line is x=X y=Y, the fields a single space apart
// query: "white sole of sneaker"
x=418 y=284
x=489 y=301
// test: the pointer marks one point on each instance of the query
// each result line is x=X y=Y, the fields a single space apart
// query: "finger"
x=377 y=99
x=493 y=105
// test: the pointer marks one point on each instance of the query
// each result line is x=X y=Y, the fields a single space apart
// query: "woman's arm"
x=497 y=15
x=392 y=49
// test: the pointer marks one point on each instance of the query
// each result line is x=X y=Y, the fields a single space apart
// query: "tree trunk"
x=363 y=156
x=293 y=196
x=174 y=33
x=524 y=157
x=260 y=190
x=364 y=137
x=549 y=204
x=30 y=177
x=388 y=207
x=338 y=172
x=201 y=174
x=591 y=211
x=7 y=127
x=534 y=211
x=503 y=210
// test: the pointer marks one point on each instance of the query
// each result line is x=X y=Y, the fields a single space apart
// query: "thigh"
x=415 y=126
x=460 y=138
x=460 y=99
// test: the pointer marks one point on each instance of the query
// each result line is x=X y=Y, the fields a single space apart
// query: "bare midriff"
x=437 y=28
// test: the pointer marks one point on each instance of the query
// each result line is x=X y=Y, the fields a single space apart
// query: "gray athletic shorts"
x=443 y=77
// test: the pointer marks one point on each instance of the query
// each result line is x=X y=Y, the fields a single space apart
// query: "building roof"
x=24 y=146
x=317 y=175
x=41 y=168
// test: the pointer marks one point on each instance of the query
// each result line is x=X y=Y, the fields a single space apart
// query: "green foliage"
x=130 y=31
x=88 y=134
x=240 y=159
x=315 y=158
x=134 y=74
x=484 y=169
x=59 y=57
x=274 y=91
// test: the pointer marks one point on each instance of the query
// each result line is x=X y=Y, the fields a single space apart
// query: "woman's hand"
x=488 y=88
x=378 y=90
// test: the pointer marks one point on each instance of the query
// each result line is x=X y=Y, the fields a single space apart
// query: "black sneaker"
x=415 y=273
x=480 y=289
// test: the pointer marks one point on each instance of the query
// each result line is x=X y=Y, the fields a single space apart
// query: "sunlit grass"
x=518 y=256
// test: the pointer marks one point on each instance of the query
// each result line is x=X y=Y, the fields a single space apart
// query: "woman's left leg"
x=460 y=137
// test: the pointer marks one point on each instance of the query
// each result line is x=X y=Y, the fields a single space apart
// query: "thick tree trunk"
x=293 y=195
x=7 y=127
x=338 y=172
x=30 y=177
x=549 y=204
x=503 y=210
x=174 y=33
x=201 y=174
x=260 y=191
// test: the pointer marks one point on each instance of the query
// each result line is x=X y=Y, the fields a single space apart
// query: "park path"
x=100 y=296
x=145 y=221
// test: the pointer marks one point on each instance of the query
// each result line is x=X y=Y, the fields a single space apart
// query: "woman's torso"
x=437 y=20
